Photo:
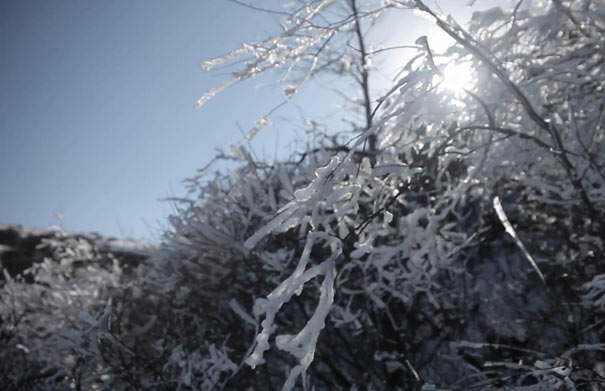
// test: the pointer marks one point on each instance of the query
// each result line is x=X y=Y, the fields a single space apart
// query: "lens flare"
x=457 y=76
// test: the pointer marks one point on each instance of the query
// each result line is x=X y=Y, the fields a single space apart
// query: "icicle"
x=261 y=123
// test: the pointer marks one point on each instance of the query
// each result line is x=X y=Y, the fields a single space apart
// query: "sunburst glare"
x=457 y=76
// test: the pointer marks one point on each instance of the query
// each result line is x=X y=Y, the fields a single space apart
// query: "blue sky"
x=96 y=107
x=96 y=113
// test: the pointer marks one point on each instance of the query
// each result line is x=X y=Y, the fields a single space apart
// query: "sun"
x=457 y=76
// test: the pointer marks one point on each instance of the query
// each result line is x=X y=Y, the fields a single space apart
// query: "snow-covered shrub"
x=427 y=285
x=50 y=339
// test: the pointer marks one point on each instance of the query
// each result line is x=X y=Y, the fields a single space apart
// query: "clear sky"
x=96 y=106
